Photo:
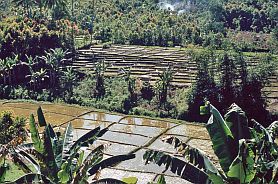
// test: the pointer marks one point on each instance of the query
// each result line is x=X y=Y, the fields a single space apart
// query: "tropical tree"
x=246 y=155
x=163 y=85
x=54 y=59
x=126 y=73
x=68 y=81
x=99 y=77
x=37 y=77
x=7 y=66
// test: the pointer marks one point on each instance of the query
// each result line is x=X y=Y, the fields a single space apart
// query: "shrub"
x=11 y=127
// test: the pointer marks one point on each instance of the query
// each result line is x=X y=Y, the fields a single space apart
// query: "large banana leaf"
x=89 y=137
x=182 y=168
x=38 y=144
x=238 y=124
x=196 y=157
x=41 y=118
x=92 y=159
x=49 y=145
x=33 y=178
x=221 y=137
x=110 y=162
x=243 y=167
x=25 y=156
x=66 y=144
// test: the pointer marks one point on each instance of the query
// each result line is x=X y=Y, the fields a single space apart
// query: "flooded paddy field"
x=126 y=134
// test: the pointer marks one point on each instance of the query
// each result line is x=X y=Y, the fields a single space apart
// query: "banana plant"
x=246 y=154
x=60 y=159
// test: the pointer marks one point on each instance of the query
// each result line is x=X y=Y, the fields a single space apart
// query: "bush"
x=11 y=128
x=31 y=37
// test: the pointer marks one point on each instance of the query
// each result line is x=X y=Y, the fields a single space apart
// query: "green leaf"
x=25 y=156
x=222 y=139
x=41 y=118
x=49 y=145
x=130 y=180
x=63 y=174
x=110 y=162
x=67 y=142
x=33 y=178
x=38 y=144
x=3 y=170
x=92 y=159
x=195 y=157
x=184 y=169
x=243 y=167
x=161 y=180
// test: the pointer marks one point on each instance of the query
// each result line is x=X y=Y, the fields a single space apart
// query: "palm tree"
x=99 y=76
x=37 y=77
x=54 y=59
x=163 y=84
x=126 y=73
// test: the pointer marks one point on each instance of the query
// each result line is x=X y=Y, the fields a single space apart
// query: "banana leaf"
x=243 y=167
x=221 y=137
x=196 y=157
x=185 y=170
x=38 y=144
x=30 y=160
x=110 y=162
x=92 y=159
x=50 y=151
x=41 y=118
x=33 y=178
x=67 y=141
x=89 y=137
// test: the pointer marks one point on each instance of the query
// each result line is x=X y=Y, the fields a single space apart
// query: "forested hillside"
x=182 y=22
x=249 y=24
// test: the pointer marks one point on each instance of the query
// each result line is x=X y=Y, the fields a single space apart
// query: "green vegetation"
x=55 y=157
x=246 y=151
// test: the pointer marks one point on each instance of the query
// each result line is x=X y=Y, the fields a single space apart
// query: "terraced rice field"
x=146 y=63
x=126 y=134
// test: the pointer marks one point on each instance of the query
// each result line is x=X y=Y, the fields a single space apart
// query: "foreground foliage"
x=246 y=155
x=57 y=158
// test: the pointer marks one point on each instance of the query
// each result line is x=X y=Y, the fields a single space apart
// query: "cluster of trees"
x=146 y=23
x=30 y=78
x=225 y=78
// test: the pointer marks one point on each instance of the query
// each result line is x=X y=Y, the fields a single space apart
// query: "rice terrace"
x=139 y=91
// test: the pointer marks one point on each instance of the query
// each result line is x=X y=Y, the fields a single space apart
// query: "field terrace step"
x=147 y=62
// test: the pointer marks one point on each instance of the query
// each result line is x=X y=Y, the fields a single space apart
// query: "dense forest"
x=249 y=24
